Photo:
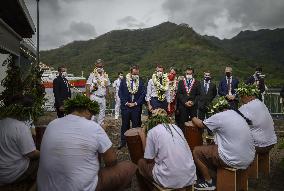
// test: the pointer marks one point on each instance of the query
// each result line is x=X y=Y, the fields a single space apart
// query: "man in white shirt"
x=116 y=85
x=234 y=144
x=167 y=158
x=70 y=151
x=262 y=127
x=158 y=92
x=97 y=89
x=18 y=154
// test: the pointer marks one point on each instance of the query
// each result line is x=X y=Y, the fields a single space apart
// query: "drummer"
x=234 y=144
x=167 y=158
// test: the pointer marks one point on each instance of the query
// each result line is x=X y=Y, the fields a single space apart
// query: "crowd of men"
x=73 y=145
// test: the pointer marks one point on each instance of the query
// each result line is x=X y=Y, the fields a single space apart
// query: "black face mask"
x=207 y=79
x=228 y=74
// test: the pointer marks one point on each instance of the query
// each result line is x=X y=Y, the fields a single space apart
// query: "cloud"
x=226 y=18
x=130 y=22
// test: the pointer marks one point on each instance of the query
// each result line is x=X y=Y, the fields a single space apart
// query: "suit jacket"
x=205 y=99
x=182 y=95
x=223 y=89
x=125 y=96
x=61 y=90
x=261 y=85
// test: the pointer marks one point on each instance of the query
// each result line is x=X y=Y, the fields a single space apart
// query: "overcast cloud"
x=63 y=21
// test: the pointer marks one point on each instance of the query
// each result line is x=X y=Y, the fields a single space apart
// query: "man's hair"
x=258 y=68
x=190 y=68
x=119 y=73
x=134 y=67
x=60 y=68
x=159 y=66
x=173 y=68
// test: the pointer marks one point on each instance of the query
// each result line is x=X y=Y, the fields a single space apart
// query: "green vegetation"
x=175 y=45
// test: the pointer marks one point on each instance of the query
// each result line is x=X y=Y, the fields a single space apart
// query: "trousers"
x=102 y=103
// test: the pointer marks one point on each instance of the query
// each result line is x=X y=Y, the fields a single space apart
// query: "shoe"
x=204 y=185
x=121 y=146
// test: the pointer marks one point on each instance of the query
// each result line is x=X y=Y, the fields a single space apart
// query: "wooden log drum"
x=134 y=144
x=193 y=135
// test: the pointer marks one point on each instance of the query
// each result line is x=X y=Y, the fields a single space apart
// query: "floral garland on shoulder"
x=133 y=90
x=102 y=80
x=161 y=88
x=173 y=88
x=188 y=89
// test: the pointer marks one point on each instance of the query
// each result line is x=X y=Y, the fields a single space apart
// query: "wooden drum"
x=193 y=135
x=134 y=144
x=39 y=134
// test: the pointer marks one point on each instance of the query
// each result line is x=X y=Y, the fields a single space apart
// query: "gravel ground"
x=274 y=182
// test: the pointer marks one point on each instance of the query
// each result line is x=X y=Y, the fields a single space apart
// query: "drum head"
x=133 y=132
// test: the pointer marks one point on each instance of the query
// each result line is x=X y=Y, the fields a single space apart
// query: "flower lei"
x=104 y=78
x=161 y=88
x=218 y=105
x=173 y=88
x=188 y=90
x=133 y=90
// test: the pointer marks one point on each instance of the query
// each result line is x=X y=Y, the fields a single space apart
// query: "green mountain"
x=171 y=45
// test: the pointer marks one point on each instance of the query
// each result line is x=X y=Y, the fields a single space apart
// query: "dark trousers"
x=186 y=114
x=202 y=113
x=233 y=104
x=155 y=103
x=59 y=113
x=127 y=115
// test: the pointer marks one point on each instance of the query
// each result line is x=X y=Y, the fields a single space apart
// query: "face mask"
x=228 y=74
x=100 y=70
x=159 y=74
x=188 y=76
x=171 y=76
x=207 y=79
x=64 y=74
x=121 y=77
x=135 y=77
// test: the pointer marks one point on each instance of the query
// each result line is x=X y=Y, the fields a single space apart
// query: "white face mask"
x=135 y=77
x=100 y=70
x=121 y=77
x=189 y=76
x=64 y=74
x=159 y=74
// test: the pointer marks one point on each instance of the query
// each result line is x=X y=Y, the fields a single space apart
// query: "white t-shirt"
x=262 y=123
x=15 y=142
x=174 y=165
x=69 y=154
x=233 y=137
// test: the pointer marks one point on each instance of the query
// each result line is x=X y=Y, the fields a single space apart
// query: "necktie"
x=206 y=86
x=132 y=84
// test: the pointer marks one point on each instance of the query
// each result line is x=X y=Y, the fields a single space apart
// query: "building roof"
x=15 y=14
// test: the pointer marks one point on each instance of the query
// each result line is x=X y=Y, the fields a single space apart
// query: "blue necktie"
x=132 y=84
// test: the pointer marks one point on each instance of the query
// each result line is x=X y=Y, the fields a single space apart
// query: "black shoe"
x=121 y=146
x=204 y=185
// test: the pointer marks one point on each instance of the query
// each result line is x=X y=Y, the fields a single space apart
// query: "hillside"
x=168 y=44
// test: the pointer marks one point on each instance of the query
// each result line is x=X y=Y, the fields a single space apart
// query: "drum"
x=134 y=144
x=193 y=135
x=39 y=134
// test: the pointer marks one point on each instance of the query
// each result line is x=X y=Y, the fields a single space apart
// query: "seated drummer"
x=167 y=159
x=234 y=145
x=262 y=127
x=70 y=151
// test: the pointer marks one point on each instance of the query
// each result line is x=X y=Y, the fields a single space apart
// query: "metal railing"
x=274 y=102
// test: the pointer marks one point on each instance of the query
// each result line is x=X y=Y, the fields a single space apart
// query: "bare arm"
x=33 y=155
x=197 y=122
x=109 y=157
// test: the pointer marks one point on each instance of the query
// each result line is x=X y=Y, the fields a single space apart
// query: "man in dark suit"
x=187 y=98
x=208 y=92
x=258 y=79
x=227 y=87
x=132 y=96
x=61 y=90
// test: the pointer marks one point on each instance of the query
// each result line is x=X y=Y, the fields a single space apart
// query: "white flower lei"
x=173 y=88
x=133 y=90
x=188 y=90
x=161 y=88
x=98 y=77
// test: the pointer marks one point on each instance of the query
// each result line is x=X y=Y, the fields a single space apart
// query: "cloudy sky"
x=63 y=21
